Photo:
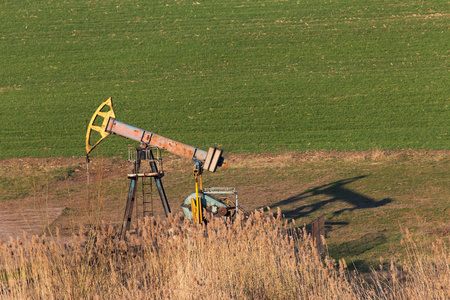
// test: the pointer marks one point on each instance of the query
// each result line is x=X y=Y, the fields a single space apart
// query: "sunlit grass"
x=257 y=76
x=176 y=259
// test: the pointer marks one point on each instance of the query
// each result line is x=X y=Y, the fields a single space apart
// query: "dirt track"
x=14 y=222
x=347 y=187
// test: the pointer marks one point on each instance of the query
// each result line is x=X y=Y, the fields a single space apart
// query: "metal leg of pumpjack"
x=129 y=208
x=140 y=154
x=159 y=185
x=131 y=196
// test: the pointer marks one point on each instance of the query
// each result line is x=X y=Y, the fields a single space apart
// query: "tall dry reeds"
x=424 y=274
x=255 y=258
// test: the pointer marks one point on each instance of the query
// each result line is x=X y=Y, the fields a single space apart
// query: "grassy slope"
x=248 y=76
x=366 y=197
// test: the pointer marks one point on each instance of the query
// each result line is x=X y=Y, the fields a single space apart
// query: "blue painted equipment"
x=218 y=201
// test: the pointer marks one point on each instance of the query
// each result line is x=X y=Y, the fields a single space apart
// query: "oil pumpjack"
x=194 y=205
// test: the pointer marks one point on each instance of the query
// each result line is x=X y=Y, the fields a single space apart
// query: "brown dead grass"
x=303 y=185
x=254 y=258
x=261 y=180
x=255 y=161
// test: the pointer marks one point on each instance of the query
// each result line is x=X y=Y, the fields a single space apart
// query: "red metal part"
x=152 y=139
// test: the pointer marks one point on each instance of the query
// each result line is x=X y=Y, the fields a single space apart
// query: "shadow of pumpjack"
x=337 y=192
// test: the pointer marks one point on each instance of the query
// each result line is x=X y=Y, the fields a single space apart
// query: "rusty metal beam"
x=152 y=139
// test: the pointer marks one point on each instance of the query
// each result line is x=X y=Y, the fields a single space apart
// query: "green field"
x=248 y=76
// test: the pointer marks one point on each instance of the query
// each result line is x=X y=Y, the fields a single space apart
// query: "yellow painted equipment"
x=203 y=160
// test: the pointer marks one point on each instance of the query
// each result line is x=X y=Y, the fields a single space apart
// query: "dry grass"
x=281 y=160
x=175 y=259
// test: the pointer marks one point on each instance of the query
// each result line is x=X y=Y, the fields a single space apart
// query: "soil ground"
x=367 y=197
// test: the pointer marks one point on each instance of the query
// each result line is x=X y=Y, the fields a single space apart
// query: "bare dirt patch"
x=360 y=193
x=30 y=220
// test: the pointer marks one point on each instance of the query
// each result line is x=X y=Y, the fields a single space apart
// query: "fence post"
x=318 y=230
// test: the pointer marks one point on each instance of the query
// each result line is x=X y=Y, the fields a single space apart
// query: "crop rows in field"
x=257 y=76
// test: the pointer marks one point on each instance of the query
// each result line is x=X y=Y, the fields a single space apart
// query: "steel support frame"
x=133 y=186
